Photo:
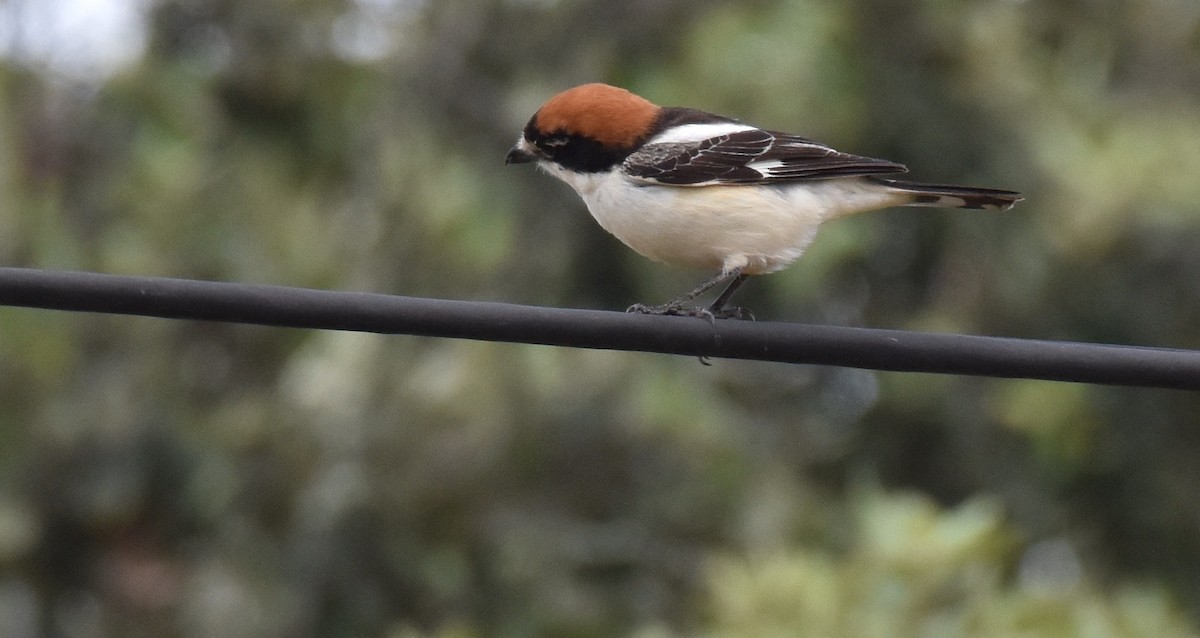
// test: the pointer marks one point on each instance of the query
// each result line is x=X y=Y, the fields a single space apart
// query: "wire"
x=767 y=341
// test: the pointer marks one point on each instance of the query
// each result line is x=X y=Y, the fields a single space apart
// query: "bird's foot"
x=672 y=308
x=679 y=310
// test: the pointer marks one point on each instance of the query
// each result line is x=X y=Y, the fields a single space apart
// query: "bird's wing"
x=749 y=156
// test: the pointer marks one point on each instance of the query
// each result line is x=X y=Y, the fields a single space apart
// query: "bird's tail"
x=938 y=196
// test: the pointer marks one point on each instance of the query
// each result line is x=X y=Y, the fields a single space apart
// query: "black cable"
x=762 y=340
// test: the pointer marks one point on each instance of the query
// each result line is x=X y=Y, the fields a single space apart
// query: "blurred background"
x=170 y=478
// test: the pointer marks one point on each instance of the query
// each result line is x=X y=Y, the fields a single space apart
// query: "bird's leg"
x=679 y=305
x=683 y=299
x=718 y=308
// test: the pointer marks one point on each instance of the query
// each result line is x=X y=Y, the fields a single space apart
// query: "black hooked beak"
x=520 y=154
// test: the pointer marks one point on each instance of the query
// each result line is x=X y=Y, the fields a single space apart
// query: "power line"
x=766 y=341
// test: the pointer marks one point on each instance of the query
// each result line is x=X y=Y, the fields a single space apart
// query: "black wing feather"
x=752 y=156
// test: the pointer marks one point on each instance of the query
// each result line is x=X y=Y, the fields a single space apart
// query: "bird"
x=690 y=188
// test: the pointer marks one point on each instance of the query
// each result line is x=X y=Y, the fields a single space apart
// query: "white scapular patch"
x=698 y=132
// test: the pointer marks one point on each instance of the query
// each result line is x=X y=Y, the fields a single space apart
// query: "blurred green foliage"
x=187 y=479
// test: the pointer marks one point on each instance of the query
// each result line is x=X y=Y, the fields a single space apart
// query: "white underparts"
x=758 y=228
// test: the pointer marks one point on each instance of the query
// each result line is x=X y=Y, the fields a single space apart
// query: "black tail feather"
x=944 y=196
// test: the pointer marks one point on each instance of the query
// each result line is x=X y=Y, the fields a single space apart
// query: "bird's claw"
x=680 y=310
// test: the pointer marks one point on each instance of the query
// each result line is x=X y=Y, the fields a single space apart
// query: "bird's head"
x=589 y=128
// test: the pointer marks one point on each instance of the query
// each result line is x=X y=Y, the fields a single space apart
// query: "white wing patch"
x=765 y=167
